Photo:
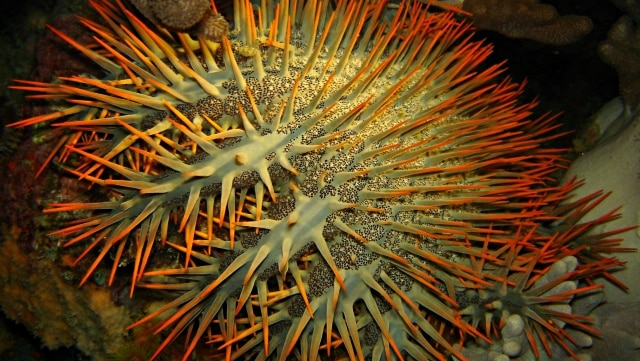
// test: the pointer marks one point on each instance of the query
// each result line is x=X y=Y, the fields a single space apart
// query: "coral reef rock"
x=35 y=293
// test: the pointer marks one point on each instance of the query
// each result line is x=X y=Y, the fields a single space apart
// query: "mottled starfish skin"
x=340 y=177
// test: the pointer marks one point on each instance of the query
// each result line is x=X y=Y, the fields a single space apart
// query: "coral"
x=629 y=7
x=602 y=125
x=339 y=178
x=621 y=50
x=35 y=294
x=618 y=156
x=526 y=314
x=212 y=27
x=193 y=16
x=528 y=19
x=176 y=15
x=179 y=15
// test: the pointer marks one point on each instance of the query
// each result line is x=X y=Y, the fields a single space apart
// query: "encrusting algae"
x=343 y=176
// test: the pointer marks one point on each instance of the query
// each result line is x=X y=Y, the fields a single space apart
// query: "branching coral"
x=528 y=19
x=621 y=50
